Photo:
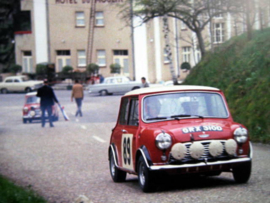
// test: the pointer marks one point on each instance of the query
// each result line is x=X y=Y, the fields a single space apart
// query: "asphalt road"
x=70 y=159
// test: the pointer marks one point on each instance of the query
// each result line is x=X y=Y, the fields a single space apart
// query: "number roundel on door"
x=127 y=151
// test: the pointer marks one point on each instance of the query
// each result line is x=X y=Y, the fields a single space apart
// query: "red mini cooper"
x=31 y=109
x=178 y=129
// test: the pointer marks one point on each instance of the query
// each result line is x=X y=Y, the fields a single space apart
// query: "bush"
x=241 y=69
x=67 y=69
x=15 y=68
x=115 y=68
x=92 y=68
x=41 y=69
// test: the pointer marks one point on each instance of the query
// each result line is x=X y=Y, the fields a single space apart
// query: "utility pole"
x=132 y=40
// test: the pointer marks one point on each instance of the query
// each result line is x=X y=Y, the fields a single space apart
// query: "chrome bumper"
x=166 y=167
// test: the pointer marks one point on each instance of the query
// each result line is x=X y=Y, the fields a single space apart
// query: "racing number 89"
x=126 y=148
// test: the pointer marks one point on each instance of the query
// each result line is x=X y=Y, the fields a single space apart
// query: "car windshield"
x=32 y=100
x=183 y=105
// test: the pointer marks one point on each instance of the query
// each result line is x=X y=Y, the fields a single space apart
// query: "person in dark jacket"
x=47 y=99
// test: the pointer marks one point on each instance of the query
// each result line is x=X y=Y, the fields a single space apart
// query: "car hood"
x=189 y=130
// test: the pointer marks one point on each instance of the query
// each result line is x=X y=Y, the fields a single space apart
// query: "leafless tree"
x=194 y=13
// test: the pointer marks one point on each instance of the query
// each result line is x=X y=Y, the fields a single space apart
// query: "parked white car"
x=111 y=85
x=19 y=84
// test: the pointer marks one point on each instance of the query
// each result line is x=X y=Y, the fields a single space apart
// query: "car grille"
x=206 y=155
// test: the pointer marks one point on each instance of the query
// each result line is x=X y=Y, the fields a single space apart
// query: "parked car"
x=31 y=109
x=177 y=130
x=113 y=85
x=19 y=84
x=170 y=83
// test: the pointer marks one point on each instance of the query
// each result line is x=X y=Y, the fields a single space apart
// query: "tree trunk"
x=201 y=42
x=248 y=22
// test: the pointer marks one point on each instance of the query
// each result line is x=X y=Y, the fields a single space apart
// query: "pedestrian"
x=47 y=99
x=77 y=93
x=101 y=79
x=144 y=83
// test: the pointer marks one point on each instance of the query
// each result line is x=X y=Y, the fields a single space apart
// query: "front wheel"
x=117 y=175
x=103 y=92
x=146 y=177
x=4 y=91
x=28 y=89
x=241 y=173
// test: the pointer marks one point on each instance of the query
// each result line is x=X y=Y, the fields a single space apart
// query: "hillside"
x=241 y=69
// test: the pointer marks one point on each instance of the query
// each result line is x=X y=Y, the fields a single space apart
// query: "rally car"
x=177 y=129
x=31 y=109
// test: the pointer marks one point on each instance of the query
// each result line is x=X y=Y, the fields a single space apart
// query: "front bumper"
x=201 y=164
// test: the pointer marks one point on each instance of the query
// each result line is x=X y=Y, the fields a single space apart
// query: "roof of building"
x=170 y=88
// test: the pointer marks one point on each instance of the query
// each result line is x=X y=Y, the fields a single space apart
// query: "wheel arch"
x=142 y=151
x=113 y=151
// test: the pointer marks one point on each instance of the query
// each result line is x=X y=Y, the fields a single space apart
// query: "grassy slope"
x=10 y=193
x=241 y=69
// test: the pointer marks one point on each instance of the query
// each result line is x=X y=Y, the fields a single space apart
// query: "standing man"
x=77 y=93
x=144 y=83
x=47 y=99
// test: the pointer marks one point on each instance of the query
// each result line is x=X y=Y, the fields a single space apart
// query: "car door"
x=127 y=131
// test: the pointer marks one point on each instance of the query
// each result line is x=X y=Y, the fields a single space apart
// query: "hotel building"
x=80 y=32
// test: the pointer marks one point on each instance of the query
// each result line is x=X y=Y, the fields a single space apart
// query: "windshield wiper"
x=185 y=115
x=156 y=118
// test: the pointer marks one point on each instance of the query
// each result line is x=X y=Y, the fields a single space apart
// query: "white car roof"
x=31 y=94
x=170 y=88
x=14 y=77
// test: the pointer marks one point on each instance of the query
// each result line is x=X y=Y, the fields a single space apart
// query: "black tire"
x=145 y=176
x=242 y=172
x=28 y=89
x=116 y=174
x=103 y=92
x=24 y=120
x=4 y=91
x=30 y=120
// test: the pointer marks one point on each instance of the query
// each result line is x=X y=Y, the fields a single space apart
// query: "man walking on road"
x=47 y=99
x=77 y=93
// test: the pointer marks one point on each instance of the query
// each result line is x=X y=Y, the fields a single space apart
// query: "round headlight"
x=163 y=141
x=240 y=135
x=25 y=109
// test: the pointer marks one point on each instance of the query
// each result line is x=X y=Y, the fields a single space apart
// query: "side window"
x=123 y=112
x=16 y=80
x=9 y=80
x=134 y=112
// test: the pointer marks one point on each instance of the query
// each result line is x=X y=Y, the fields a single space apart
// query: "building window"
x=120 y=52
x=219 y=32
x=165 y=56
x=101 y=57
x=81 y=58
x=27 y=62
x=198 y=54
x=63 y=59
x=121 y=57
x=183 y=26
x=80 y=19
x=186 y=54
x=99 y=18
